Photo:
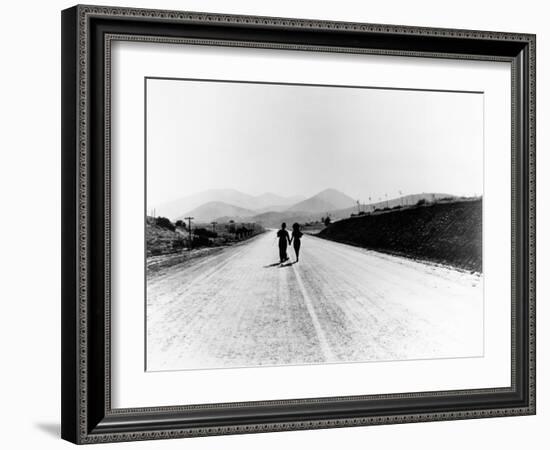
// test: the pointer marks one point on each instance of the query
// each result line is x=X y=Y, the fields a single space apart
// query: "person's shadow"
x=275 y=264
x=288 y=264
x=280 y=265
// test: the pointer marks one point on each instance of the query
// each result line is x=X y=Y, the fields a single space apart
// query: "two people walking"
x=285 y=239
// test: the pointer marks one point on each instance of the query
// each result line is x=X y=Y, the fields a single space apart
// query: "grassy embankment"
x=447 y=232
x=168 y=244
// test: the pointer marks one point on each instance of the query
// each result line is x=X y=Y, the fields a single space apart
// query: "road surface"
x=240 y=308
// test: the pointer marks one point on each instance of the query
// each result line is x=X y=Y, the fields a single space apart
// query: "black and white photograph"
x=299 y=224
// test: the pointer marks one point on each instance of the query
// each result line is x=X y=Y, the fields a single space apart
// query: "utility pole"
x=189 y=219
x=213 y=226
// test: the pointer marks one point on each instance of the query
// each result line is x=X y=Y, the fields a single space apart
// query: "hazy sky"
x=292 y=140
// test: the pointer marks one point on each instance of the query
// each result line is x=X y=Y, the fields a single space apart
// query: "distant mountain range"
x=214 y=210
x=271 y=210
x=266 y=208
x=260 y=203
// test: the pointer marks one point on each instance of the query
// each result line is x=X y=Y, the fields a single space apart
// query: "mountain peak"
x=327 y=200
x=330 y=191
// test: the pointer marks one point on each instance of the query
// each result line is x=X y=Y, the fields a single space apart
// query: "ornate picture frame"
x=88 y=415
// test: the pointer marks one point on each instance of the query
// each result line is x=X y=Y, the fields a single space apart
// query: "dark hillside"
x=162 y=237
x=447 y=232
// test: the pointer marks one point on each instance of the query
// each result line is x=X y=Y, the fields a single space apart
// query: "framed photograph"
x=277 y=224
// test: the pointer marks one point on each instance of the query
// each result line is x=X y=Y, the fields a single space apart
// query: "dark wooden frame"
x=87 y=31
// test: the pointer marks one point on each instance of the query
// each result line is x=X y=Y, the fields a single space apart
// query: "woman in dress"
x=296 y=236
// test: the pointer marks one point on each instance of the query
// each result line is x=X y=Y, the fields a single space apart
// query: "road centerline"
x=325 y=348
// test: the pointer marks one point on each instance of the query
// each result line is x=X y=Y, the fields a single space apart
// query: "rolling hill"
x=324 y=201
x=264 y=202
x=309 y=210
x=214 y=210
x=274 y=219
x=447 y=232
x=406 y=200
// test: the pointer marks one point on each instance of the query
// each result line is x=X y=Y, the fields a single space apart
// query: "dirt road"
x=240 y=308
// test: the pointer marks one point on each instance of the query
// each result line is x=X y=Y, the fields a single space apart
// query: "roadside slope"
x=447 y=232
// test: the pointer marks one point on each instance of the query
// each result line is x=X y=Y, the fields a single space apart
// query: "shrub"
x=200 y=241
x=178 y=244
x=164 y=222
x=203 y=232
x=242 y=232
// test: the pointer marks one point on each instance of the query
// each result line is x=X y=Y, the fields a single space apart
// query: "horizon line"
x=357 y=202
